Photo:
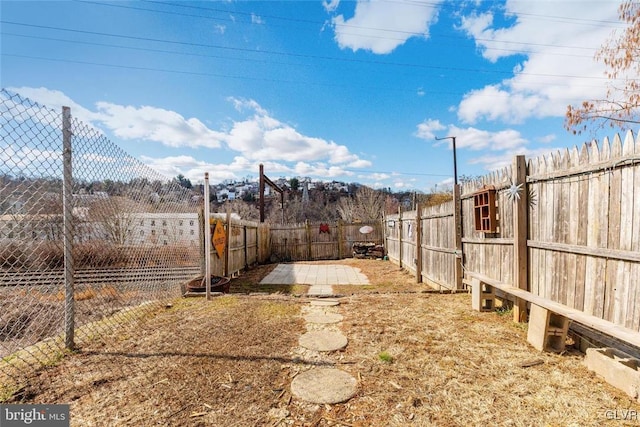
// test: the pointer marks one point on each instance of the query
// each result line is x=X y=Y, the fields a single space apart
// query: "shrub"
x=11 y=255
x=99 y=254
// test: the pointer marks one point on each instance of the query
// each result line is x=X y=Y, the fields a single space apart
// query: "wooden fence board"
x=534 y=233
x=581 y=239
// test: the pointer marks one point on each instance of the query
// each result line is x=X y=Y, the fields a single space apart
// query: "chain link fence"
x=81 y=256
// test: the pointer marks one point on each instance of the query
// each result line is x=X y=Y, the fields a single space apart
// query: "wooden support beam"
x=265 y=180
x=400 y=231
x=457 y=219
x=418 y=243
x=307 y=226
x=227 y=244
x=261 y=192
x=520 y=231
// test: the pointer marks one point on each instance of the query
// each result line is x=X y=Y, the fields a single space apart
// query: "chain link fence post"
x=207 y=236
x=67 y=221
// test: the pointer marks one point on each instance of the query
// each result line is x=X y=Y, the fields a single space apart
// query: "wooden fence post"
x=400 y=232
x=418 y=244
x=340 y=239
x=246 y=249
x=201 y=225
x=307 y=225
x=227 y=244
x=457 y=220
x=520 y=227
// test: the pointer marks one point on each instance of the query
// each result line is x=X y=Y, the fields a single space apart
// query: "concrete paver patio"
x=308 y=274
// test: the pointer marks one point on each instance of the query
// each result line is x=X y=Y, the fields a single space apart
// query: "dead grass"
x=230 y=361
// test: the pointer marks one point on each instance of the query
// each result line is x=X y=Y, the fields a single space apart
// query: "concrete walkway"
x=320 y=385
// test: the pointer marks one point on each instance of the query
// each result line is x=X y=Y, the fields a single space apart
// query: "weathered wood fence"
x=250 y=243
x=317 y=241
x=567 y=228
x=247 y=244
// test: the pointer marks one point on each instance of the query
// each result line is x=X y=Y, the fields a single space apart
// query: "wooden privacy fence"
x=565 y=227
x=317 y=241
x=249 y=243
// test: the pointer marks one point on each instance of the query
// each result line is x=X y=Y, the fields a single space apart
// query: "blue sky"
x=351 y=91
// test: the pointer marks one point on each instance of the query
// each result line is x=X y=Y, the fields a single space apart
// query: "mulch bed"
x=420 y=359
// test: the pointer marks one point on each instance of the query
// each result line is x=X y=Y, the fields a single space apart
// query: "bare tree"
x=366 y=206
x=115 y=216
x=246 y=210
x=620 y=55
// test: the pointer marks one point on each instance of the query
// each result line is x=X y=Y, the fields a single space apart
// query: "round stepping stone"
x=323 y=341
x=323 y=317
x=325 y=303
x=324 y=385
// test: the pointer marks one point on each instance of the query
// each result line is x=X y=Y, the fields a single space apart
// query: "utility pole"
x=457 y=218
x=455 y=162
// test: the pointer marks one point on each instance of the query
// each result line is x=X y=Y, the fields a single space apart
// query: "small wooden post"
x=340 y=239
x=246 y=248
x=307 y=227
x=261 y=190
x=418 y=244
x=227 y=244
x=520 y=227
x=201 y=225
x=457 y=219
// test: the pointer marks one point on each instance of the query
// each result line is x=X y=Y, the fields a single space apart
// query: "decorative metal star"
x=513 y=192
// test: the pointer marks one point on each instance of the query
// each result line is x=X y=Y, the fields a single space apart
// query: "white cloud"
x=380 y=26
x=28 y=159
x=219 y=28
x=266 y=138
x=502 y=145
x=376 y=176
x=55 y=100
x=426 y=130
x=559 y=68
x=157 y=124
x=319 y=169
x=194 y=169
x=330 y=6
x=404 y=184
x=258 y=138
x=98 y=158
x=547 y=138
x=477 y=139
x=499 y=160
x=256 y=19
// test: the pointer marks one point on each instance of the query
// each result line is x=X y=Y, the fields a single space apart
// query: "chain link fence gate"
x=79 y=258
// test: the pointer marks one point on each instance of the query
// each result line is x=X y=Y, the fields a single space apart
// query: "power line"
x=172 y=52
x=298 y=55
x=237 y=77
x=358 y=27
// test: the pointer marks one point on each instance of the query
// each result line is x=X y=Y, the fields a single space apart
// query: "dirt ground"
x=420 y=359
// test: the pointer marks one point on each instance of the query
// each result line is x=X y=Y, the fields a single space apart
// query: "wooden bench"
x=548 y=320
